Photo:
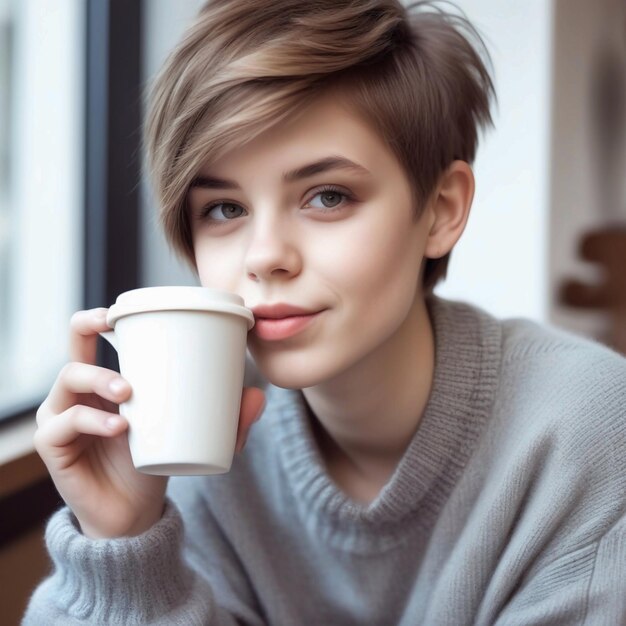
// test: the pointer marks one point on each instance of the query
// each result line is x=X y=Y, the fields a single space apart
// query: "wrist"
x=123 y=528
x=146 y=522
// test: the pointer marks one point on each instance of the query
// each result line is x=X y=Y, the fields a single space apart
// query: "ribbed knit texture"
x=508 y=508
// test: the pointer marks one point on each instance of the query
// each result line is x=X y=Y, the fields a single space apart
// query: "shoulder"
x=545 y=373
x=565 y=393
x=550 y=356
x=525 y=338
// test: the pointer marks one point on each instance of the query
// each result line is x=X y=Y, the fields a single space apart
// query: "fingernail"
x=117 y=385
x=112 y=422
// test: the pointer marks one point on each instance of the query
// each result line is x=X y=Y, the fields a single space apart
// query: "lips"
x=281 y=321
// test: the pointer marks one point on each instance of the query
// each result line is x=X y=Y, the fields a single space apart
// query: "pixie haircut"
x=414 y=73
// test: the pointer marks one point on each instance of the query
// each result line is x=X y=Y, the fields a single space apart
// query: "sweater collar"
x=467 y=363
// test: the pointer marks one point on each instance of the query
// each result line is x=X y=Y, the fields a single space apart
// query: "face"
x=338 y=239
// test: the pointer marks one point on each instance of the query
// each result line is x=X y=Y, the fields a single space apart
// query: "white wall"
x=164 y=23
x=500 y=262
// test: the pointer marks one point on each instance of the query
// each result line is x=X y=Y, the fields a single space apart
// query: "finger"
x=62 y=430
x=79 y=378
x=84 y=329
x=252 y=404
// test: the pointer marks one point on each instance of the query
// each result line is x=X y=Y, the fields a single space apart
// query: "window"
x=41 y=192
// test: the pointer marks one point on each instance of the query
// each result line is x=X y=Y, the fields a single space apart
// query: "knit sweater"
x=507 y=508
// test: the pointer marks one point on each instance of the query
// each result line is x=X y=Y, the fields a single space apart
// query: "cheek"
x=378 y=285
x=375 y=259
x=218 y=266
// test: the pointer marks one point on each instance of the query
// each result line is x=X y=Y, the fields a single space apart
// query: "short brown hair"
x=244 y=66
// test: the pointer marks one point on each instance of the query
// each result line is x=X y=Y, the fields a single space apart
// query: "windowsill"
x=20 y=465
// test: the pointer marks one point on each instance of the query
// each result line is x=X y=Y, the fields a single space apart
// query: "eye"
x=222 y=211
x=330 y=198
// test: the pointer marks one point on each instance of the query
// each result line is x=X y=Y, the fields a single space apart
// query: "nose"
x=273 y=253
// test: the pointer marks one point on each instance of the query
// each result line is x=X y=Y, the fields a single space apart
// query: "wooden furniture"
x=606 y=247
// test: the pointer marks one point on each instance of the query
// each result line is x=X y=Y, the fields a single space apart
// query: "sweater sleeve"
x=579 y=576
x=606 y=598
x=563 y=594
x=137 y=580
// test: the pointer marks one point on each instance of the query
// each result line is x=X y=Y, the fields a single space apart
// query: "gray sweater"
x=508 y=507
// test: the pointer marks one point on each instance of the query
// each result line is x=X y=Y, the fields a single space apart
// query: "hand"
x=82 y=440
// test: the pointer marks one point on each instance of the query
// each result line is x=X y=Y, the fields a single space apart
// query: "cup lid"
x=178 y=299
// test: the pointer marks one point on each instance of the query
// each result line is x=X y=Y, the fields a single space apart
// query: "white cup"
x=183 y=350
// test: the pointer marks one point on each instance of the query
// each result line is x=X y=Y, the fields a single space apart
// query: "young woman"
x=418 y=461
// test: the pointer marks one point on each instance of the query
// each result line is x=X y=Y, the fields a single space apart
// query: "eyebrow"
x=306 y=171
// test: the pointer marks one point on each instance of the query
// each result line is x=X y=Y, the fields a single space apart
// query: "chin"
x=290 y=371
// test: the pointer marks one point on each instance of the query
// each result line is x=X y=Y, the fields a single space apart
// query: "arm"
x=586 y=587
x=578 y=574
x=606 y=598
x=132 y=580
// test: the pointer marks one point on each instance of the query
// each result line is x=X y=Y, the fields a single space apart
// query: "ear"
x=450 y=207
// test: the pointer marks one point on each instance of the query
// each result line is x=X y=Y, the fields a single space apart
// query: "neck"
x=366 y=418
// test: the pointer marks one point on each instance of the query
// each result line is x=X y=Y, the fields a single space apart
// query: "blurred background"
x=546 y=238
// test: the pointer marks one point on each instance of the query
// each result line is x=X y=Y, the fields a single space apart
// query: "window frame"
x=112 y=244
